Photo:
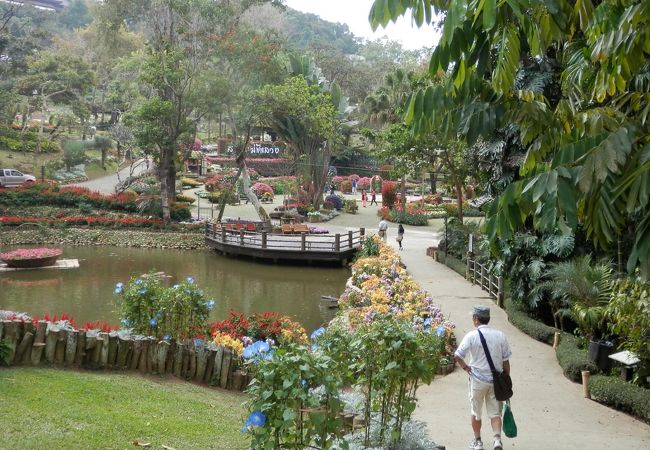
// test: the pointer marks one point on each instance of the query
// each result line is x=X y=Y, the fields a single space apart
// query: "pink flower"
x=31 y=253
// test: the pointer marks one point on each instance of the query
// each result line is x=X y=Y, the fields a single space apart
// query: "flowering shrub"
x=261 y=188
x=260 y=326
x=31 y=253
x=363 y=183
x=182 y=198
x=149 y=308
x=226 y=340
x=346 y=186
x=336 y=201
x=44 y=194
x=189 y=182
x=388 y=194
x=433 y=199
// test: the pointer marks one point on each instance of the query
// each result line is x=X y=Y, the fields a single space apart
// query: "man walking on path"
x=354 y=186
x=383 y=229
x=481 y=389
x=373 y=198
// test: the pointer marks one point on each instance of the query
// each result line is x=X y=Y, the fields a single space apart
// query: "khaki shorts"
x=483 y=392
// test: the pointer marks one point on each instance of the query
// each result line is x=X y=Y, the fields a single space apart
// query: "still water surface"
x=87 y=293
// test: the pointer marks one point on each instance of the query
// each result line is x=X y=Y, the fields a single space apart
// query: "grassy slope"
x=58 y=409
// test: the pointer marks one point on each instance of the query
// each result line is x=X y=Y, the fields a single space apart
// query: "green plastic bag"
x=509 y=425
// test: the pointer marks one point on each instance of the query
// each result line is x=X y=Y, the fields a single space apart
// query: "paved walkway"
x=107 y=184
x=550 y=410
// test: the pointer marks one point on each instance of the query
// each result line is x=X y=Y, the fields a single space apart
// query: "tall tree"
x=588 y=153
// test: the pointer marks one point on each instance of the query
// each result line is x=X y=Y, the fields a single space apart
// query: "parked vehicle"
x=14 y=178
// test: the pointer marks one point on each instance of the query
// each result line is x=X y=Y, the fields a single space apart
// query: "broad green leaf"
x=489 y=14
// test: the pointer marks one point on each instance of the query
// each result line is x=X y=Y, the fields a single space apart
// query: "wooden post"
x=585 y=384
x=337 y=242
x=71 y=347
x=191 y=363
x=218 y=362
x=135 y=357
x=482 y=277
x=122 y=352
x=238 y=379
x=209 y=366
x=350 y=239
x=39 y=343
x=152 y=355
x=500 y=294
x=201 y=363
x=97 y=351
x=161 y=356
x=11 y=337
x=223 y=234
x=23 y=350
x=303 y=242
x=556 y=339
x=112 y=349
x=178 y=359
x=91 y=344
x=103 y=352
x=81 y=348
x=50 y=344
x=264 y=239
x=144 y=354
x=59 y=350
x=225 y=367
x=169 y=361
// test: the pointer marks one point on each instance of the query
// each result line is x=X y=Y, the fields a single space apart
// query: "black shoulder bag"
x=502 y=381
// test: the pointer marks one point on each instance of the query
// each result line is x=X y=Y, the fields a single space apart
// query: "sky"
x=354 y=13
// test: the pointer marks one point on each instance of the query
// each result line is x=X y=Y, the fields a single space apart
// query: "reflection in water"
x=87 y=294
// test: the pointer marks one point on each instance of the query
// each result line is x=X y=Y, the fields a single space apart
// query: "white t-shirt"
x=383 y=225
x=471 y=346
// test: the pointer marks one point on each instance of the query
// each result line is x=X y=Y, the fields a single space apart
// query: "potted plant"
x=31 y=257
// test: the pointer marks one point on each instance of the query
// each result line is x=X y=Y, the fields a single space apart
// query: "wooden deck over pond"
x=285 y=247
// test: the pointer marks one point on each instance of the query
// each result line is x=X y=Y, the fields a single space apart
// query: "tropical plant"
x=587 y=154
x=628 y=316
x=579 y=289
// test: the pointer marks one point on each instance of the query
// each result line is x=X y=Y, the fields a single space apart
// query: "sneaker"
x=476 y=444
x=497 y=444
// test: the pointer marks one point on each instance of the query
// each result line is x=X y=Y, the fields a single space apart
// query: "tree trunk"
x=167 y=175
x=433 y=178
x=459 y=200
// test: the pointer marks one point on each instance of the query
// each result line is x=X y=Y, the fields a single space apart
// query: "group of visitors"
x=373 y=198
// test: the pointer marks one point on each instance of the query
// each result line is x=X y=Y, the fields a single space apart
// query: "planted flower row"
x=101 y=221
x=43 y=194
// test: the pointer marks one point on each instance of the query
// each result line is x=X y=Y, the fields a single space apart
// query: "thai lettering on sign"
x=258 y=149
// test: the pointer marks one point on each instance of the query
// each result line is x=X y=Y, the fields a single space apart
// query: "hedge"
x=573 y=359
x=452 y=262
x=533 y=328
x=621 y=395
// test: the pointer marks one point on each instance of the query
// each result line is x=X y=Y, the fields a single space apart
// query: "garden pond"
x=87 y=293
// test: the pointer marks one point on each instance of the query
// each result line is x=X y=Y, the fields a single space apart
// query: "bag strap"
x=487 y=352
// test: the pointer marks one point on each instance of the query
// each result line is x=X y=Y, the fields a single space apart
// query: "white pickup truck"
x=14 y=178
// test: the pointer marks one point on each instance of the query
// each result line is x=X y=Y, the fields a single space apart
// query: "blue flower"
x=314 y=347
x=198 y=342
x=190 y=280
x=138 y=281
x=176 y=286
x=257 y=348
x=125 y=322
x=304 y=384
x=210 y=304
x=440 y=330
x=256 y=418
x=118 y=290
x=427 y=322
x=166 y=337
x=153 y=322
x=317 y=333
x=188 y=291
x=158 y=315
x=142 y=291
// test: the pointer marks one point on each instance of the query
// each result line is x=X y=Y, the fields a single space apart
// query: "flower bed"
x=91 y=221
x=43 y=194
x=31 y=257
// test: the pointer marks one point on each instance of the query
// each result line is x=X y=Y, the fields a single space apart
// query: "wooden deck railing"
x=478 y=273
x=294 y=242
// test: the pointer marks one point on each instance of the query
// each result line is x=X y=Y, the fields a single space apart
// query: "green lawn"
x=60 y=409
